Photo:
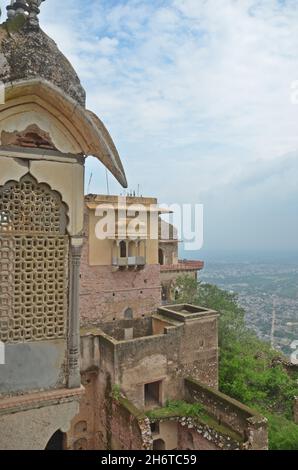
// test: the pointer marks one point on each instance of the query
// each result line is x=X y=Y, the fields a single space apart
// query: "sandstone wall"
x=105 y=294
x=188 y=349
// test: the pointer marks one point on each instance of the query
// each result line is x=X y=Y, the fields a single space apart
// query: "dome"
x=27 y=53
x=44 y=93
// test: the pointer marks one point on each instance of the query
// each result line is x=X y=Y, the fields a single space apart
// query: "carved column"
x=74 y=378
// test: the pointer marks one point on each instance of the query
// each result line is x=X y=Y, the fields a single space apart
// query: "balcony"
x=186 y=266
x=130 y=261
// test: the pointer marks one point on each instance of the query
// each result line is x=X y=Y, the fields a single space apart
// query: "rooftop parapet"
x=186 y=312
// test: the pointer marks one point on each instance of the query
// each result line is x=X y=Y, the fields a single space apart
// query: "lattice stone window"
x=33 y=262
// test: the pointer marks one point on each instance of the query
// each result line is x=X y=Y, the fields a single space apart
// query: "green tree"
x=246 y=368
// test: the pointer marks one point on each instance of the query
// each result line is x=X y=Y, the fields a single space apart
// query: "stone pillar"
x=74 y=378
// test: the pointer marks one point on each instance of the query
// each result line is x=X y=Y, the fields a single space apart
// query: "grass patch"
x=181 y=409
x=177 y=408
x=116 y=392
x=283 y=433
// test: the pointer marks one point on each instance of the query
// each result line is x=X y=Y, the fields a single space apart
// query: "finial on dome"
x=27 y=8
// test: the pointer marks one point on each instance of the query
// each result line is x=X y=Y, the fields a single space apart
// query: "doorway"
x=56 y=442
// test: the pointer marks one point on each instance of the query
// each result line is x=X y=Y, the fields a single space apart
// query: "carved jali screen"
x=33 y=262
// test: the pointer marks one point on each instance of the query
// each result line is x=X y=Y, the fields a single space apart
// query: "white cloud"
x=195 y=93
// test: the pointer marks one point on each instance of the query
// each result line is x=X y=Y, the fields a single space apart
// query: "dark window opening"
x=161 y=257
x=123 y=250
x=153 y=394
x=154 y=428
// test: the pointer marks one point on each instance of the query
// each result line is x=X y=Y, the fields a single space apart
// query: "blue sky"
x=197 y=97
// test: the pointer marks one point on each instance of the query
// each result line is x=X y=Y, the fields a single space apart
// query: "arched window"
x=161 y=258
x=56 y=442
x=123 y=249
x=128 y=314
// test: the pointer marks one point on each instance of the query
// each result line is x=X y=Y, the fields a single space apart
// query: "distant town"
x=267 y=292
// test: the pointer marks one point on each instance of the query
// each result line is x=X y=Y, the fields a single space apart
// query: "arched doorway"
x=161 y=258
x=128 y=314
x=56 y=442
x=159 y=444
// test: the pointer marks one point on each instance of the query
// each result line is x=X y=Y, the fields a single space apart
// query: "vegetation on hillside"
x=247 y=371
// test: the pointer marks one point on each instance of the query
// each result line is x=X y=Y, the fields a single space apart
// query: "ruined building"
x=92 y=357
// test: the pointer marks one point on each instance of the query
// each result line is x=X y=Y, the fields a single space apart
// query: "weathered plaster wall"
x=33 y=366
x=86 y=431
x=188 y=349
x=128 y=429
x=32 y=429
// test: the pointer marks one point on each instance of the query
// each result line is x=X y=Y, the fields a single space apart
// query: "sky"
x=198 y=97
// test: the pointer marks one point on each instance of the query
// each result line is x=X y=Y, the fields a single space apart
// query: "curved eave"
x=86 y=128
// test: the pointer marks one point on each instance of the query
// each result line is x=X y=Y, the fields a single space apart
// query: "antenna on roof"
x=107 y=179
x=89 y=183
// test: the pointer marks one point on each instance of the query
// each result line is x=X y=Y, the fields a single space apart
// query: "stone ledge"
x=225 y=399
x=39 y=400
